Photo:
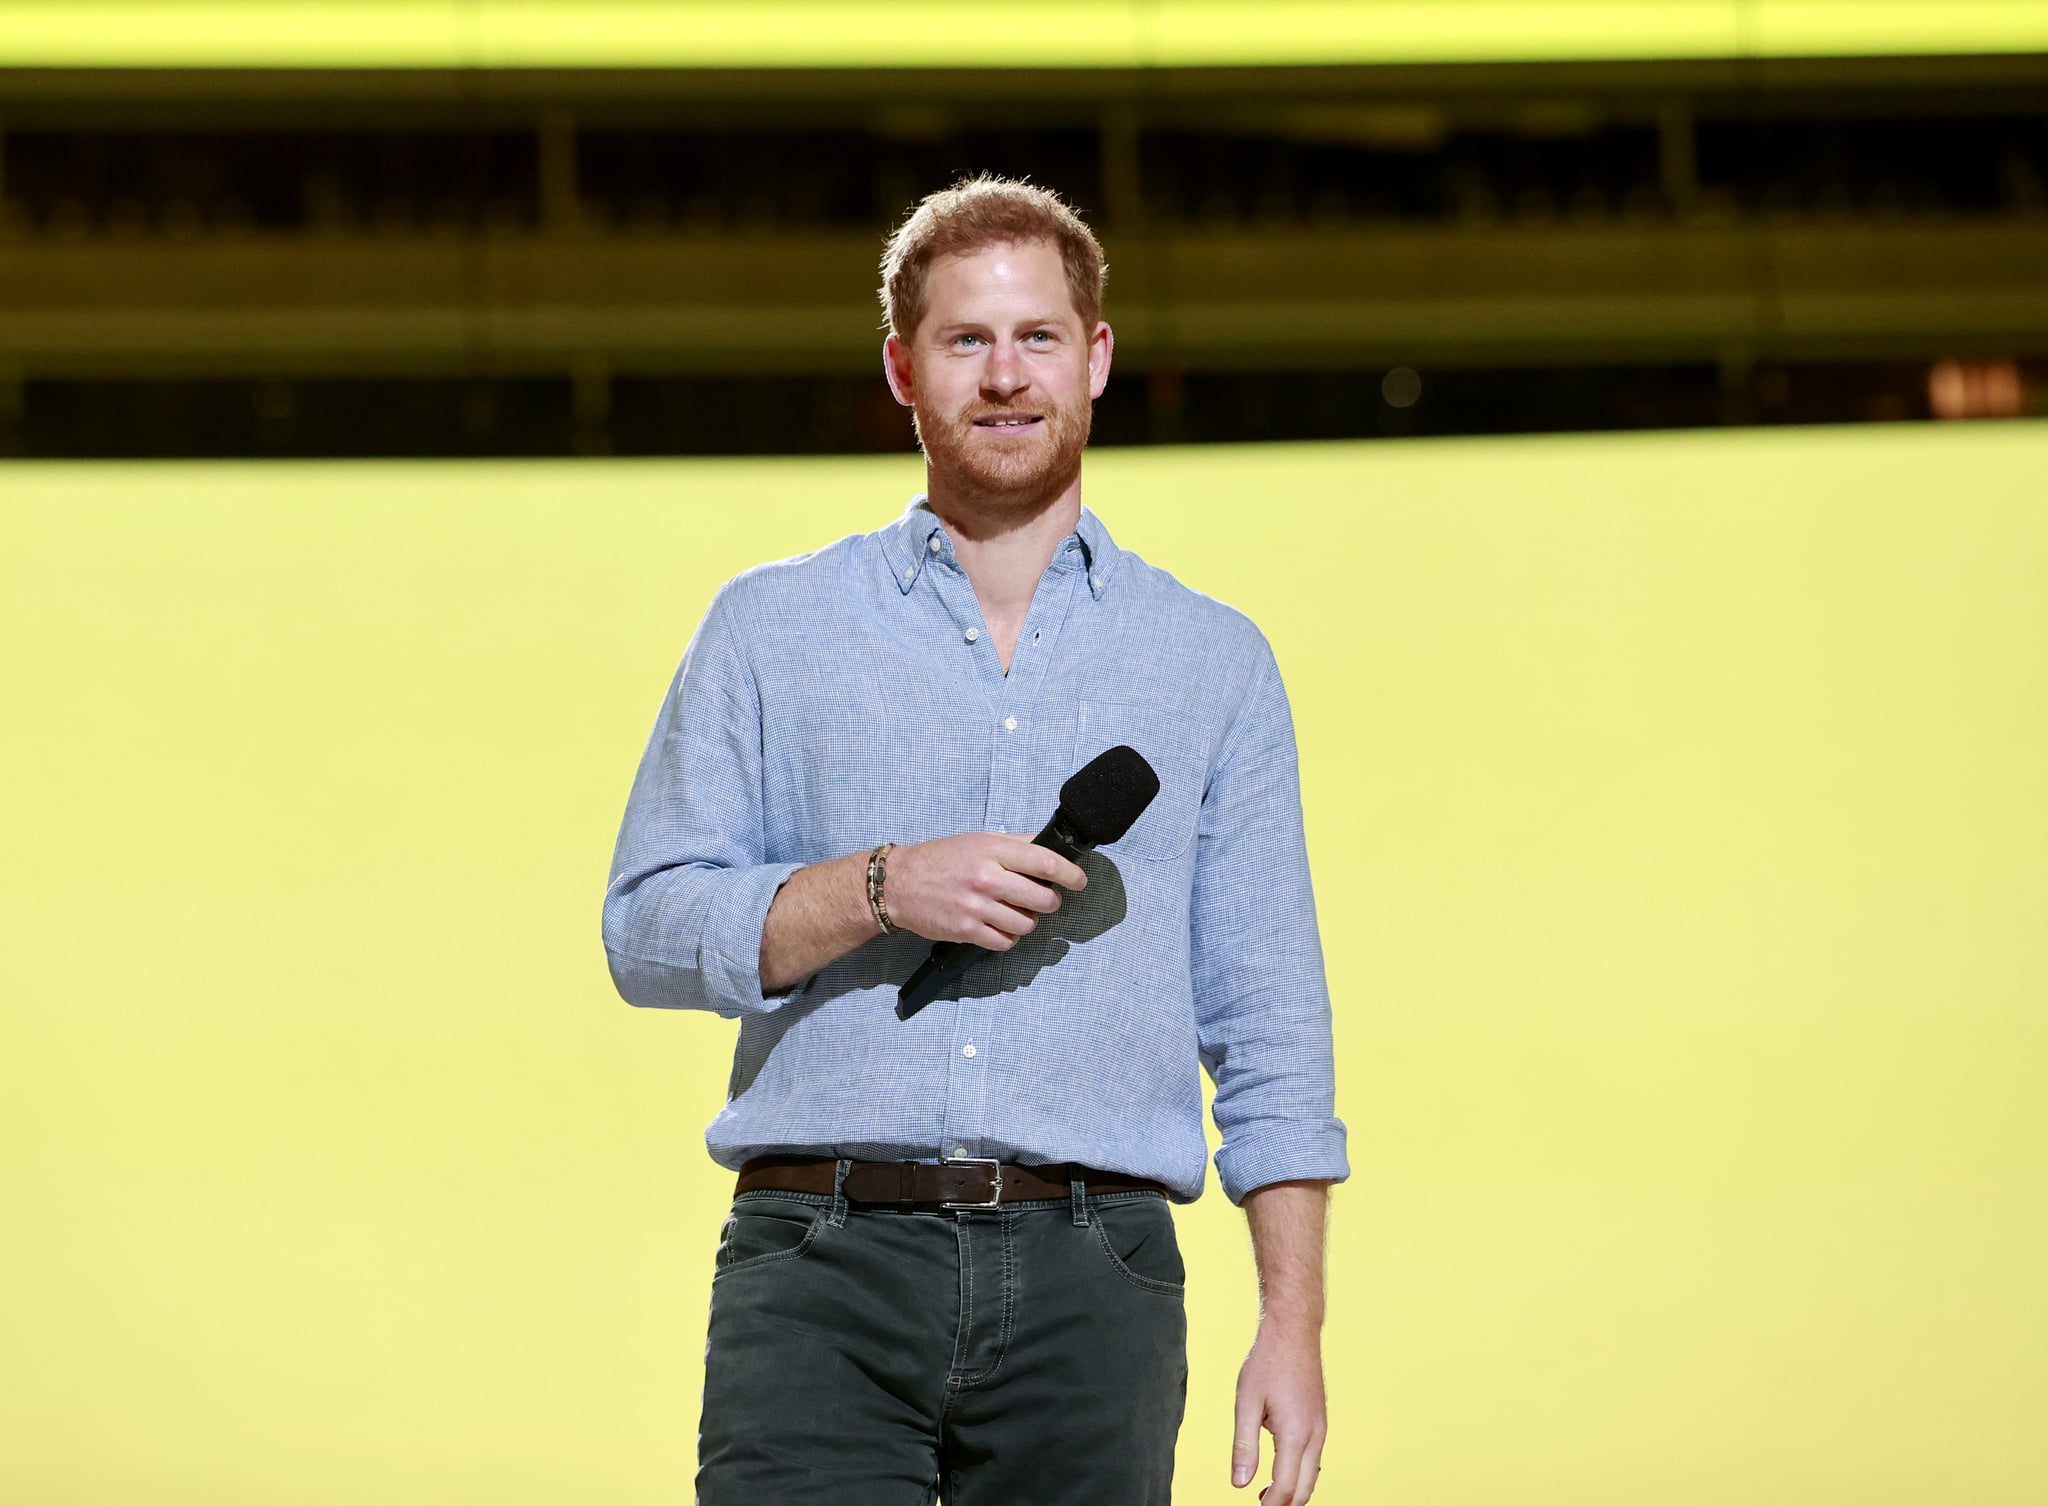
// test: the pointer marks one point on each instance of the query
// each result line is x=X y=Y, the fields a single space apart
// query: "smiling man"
x=949 y=1270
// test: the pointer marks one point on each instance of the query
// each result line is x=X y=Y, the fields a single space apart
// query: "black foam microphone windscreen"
x=1106 y=795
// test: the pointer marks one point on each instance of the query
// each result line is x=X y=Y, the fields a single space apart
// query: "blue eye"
x=958 y=338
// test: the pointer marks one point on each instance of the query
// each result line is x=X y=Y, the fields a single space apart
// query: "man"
x=950 y=1264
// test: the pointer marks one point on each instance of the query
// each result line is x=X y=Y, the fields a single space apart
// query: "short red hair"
x=987 y=211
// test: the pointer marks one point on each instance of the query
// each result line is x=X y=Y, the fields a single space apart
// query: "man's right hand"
x=985 y=888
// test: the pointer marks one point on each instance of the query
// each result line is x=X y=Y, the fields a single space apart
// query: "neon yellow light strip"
x=945 y=33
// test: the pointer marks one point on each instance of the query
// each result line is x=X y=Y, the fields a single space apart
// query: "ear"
x=896 y=367
x=1099 y=346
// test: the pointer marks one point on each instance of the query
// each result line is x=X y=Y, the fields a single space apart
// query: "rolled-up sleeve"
x=1262 y=1005
x=690 y=885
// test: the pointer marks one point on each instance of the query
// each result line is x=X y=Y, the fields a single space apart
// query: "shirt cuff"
x=1282 y=1151
x=731 y=951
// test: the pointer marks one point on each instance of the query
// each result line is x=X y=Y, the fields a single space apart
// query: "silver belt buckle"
x=995 y=1191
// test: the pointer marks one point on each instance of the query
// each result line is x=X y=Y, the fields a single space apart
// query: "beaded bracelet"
x=878 y=870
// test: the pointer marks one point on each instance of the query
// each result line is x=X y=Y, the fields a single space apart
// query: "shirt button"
x=932 y=543
x=968 y=1049
x=972 y=634
x=1009 y=724
x=959 y=1152
x=1095 y=581
x=911 y=573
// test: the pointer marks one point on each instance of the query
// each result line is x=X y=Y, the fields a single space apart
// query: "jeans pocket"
x=764 y=1230
x=1137 y=1238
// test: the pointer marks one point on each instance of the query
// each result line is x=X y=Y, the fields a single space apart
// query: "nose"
x=1004 y=376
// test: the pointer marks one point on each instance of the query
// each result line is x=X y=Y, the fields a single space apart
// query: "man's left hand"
x=1280 y=1387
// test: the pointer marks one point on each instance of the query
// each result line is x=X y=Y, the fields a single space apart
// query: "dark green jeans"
x=1029 y=1355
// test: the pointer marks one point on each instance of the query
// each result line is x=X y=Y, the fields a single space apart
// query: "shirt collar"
x=907 y=544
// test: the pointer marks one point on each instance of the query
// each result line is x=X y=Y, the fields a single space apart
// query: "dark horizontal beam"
x=1194 y=300
x=40 y=97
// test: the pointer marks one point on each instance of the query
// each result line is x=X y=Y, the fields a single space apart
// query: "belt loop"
x=837 y=1217
x=1077 y=1194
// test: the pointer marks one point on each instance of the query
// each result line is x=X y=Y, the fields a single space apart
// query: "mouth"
x=1009 y=423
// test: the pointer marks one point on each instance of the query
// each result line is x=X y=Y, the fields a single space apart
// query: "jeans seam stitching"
x=1009 y=1313
x=953 y=1377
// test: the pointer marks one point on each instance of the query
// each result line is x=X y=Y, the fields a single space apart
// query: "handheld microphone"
x=1098 y=804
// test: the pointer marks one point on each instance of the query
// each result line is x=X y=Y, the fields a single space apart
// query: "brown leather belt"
x=964 y=1182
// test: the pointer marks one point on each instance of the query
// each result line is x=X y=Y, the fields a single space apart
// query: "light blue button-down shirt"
x=853 y=696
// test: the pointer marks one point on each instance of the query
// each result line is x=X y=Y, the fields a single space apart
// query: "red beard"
x=1027 y=470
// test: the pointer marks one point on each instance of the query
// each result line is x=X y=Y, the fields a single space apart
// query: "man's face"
x=1001 y=374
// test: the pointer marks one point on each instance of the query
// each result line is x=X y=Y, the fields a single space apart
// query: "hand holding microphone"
x=982 y=891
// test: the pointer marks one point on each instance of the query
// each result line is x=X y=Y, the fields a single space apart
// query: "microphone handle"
x=949 y=959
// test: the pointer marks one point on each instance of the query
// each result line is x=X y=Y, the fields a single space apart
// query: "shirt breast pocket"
x=1176 y=753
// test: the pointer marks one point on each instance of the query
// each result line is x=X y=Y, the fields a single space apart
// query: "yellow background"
x=946 y=33
x=1676 y=809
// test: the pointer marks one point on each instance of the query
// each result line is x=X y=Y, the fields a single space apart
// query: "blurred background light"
x=1401 y=387
x=1976 y=389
